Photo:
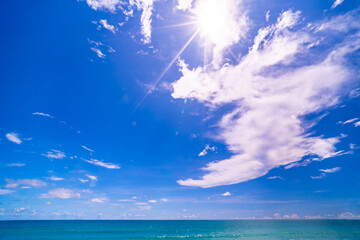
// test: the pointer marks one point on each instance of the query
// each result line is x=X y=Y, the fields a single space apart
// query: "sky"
x=180 y=109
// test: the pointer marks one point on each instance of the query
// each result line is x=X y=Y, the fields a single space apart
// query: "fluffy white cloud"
x=107 y=26
x=152 y=201
x=54 y=154
x=63 y=193
x=226 y=194
x=43 y=114
x=337 y=3
x=271 y=90
x=206 y=149
x=11 y=183
x=102 y=164
x=13 y=137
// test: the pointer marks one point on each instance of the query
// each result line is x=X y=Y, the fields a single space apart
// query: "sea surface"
x=222 y=230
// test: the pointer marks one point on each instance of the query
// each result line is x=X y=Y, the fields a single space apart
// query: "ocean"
x=222 y=230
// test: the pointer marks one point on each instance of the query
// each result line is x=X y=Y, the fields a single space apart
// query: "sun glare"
x=213 y=18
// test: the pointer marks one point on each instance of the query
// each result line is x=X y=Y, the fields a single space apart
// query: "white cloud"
x=152 y=201
x=99 y=200
x=349 y=121
x=164 y=200
x=271 y=92
x=83 y=180
x=267 y=16
x=5 y=191
x=146 y=6
x=102 y=164
x=63 y=193
x=325 y=172
x=92 y=178
x=109 y=5
x=107 y=26
x=205 y=151
x=337 y=3
x=53 y=178
x=357 y=124
x=54 y=154
x=43 y=114
x=275 y=177
x=16 y=165
x=98 y=52
x=226 y=194
x=184 y=4
x=13 y=137
x=330 y=170
x=88 y=149
x=11 y=183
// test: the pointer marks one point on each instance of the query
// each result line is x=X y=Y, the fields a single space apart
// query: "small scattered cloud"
x=348 y=121
x=206 y=149
x=267 y=16
x=325 y=172
x=336 y=3
x=275 y=177
x=13 y=137
x=54 y=154
x=164 y=200
x=92 y=178
x=55 y=179
x=107 y=26
x=99 y=200
x=16 y=165
x=43 y=114
x=226 y=194
x=348 y=215
x=11 y=183
x=62 y=193
x=152 y=201
x=98 y=52
x=83 y=180
x=102 y=164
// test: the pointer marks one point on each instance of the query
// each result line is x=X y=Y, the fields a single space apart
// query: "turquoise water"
x=222 y=230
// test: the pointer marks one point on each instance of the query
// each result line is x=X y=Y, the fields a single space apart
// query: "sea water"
x=222 y=230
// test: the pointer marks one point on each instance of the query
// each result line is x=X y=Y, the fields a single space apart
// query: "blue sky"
x=161 y=109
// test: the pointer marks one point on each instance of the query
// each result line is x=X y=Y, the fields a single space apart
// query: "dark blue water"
x=242 y=229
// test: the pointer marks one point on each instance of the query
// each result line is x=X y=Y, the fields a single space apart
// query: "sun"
x=213 y=18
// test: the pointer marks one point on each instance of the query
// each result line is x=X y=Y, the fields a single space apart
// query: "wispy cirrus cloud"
x=272 y=79
x=16 y=165
x=62 y=193
x=102 y=164
x=88 y=149
x=99 y=200
x=325 y=172
x=43 y=114
x=13 y=137
x=11 y=183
